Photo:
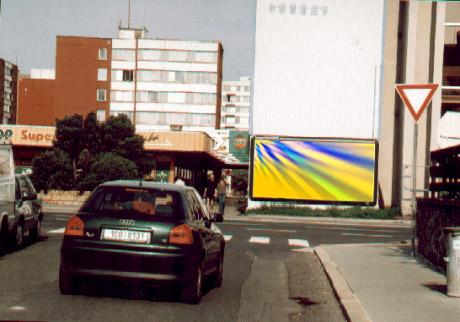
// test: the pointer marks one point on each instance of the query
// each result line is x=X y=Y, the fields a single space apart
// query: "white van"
x=7 y=194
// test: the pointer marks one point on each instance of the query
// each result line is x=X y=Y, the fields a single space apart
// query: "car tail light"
x=181 y=234
x=75 y=226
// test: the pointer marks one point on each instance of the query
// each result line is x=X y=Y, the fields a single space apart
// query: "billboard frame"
x=312 y=201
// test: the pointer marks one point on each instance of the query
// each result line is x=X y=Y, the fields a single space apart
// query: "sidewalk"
x=384 y=283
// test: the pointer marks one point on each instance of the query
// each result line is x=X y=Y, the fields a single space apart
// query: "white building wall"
x=235 y=114
x=174 y=82
x=318 y=68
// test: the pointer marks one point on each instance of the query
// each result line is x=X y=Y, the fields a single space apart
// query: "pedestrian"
x=210 y=193
x=222 y=191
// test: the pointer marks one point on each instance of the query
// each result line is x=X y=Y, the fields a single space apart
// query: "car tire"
x=66 y=284
x=191 y=294
x=218 y=275
x=36 y=232
x=18 y=235
x=3 y=238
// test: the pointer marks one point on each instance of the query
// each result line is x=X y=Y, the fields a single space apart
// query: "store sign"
x=28 y=135
x=239 y=142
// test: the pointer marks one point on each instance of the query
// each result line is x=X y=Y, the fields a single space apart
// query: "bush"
x=353 y=212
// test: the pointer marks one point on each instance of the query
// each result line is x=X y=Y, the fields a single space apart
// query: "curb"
x=328 y=220
x=351 y=306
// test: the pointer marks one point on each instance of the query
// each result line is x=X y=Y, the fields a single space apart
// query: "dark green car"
x=157 y=233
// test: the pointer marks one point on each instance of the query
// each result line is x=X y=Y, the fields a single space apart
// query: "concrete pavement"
x=373 y=282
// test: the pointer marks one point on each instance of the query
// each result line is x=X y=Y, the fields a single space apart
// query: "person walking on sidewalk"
x=210 y=193
x=221 y=191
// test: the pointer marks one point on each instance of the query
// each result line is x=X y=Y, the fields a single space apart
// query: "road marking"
x=260 y=240
x=57 y=231
x=362 y=229
x=17 y=308
x=274 y=230
x=366 y=235
x=299 y=242
x=227 y=237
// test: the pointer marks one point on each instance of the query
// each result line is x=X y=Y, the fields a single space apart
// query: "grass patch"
x=352 y=212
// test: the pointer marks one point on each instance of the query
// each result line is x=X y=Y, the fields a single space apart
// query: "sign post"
x=416 y=97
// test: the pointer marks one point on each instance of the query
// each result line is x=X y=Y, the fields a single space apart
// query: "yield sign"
x=416 y=97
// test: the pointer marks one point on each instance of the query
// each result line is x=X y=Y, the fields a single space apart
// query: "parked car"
x=28 y=210
x=7 y=215
x=157 y=233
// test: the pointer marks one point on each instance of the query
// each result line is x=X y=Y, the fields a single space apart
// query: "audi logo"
x=127 y=222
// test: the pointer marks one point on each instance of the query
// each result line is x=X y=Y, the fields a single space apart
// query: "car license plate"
x=132 y=236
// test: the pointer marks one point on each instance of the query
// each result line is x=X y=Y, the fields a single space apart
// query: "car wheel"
x=3 y=238
x=218 y=276
x=192 y=293
x=36 y=232
x=18 y=235
x=66 y=284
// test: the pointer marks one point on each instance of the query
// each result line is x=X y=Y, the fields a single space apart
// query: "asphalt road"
x=270 y=274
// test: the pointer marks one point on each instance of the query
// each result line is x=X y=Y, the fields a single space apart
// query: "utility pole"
x=129 y=14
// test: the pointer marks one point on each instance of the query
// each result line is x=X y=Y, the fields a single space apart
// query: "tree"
x=53 y=170
x=85 y=147
x=107 y=167
x=70 y=135
x=114 y=131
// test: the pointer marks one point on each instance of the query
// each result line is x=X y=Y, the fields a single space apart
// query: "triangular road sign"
x=416 y=97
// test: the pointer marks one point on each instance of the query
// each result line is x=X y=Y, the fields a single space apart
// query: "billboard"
x=314 y=170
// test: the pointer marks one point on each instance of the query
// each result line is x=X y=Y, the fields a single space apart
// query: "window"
x=247 y=88
x=100 y=115
x=101 y=93
x=293 y=8
x=128 y=75
x=103 y=53
x=153 y=96
x=102 y=74
x=180 y=77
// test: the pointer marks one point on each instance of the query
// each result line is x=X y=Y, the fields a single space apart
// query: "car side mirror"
x=32 y=196
x=218 y=217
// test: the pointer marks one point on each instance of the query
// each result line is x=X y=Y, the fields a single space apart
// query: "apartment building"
x=8 y=90
x=236 y=104
x=166 y=84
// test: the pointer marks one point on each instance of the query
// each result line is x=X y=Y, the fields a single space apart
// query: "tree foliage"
x=107 y=167
x=53 y=170
x=87 y=153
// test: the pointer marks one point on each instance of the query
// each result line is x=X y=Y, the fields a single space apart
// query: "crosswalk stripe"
x=299 y=242
x=260 y=240
x=57 y=231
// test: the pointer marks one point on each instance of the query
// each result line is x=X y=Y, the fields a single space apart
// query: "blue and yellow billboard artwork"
x=320 y=171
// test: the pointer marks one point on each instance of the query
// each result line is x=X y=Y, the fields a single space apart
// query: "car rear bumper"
x=157 y=265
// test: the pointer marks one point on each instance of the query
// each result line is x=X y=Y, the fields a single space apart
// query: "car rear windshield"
x=141 y=201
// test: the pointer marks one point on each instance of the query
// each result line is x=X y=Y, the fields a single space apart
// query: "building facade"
x=8 y=91
x=37 y=92
x=162 y=84
x=236 y=104
x=333 y=73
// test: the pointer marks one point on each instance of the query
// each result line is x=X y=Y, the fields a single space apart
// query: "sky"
x=29 y=28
